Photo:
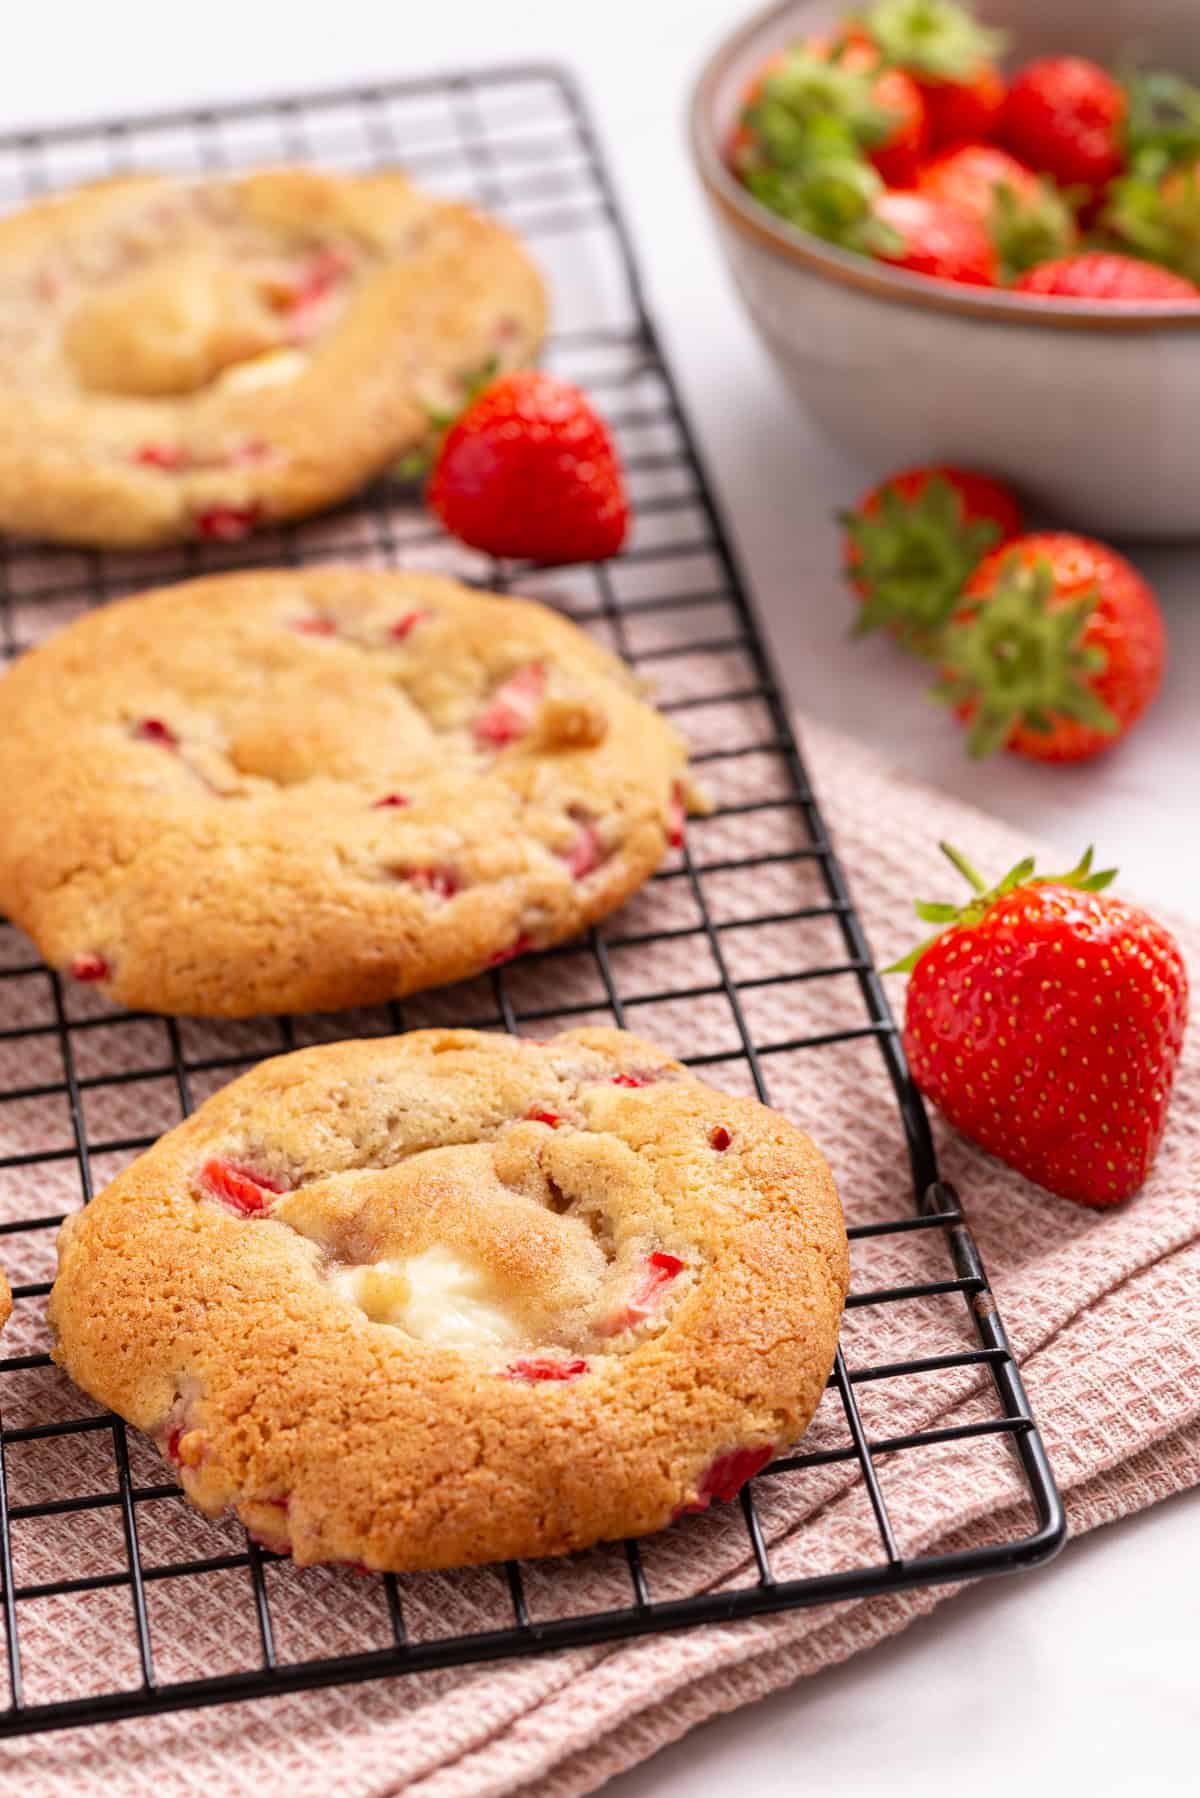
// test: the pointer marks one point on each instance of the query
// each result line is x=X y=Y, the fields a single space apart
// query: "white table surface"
x=1080 y=1678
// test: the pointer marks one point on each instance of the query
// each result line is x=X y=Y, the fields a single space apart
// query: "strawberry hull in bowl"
x=1091 y=407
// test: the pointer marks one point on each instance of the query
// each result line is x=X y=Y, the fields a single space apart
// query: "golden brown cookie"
x=194 y=358
x=304 y=790
x=454 y=1297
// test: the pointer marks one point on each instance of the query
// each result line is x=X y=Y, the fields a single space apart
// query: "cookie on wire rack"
x=452 y=1297
x=305 y=790
x=193 y=358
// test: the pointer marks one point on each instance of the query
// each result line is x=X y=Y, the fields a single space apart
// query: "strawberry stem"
x=957 y=917
x=958 y=860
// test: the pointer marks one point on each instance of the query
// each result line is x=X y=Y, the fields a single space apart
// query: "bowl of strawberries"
x=970 y=232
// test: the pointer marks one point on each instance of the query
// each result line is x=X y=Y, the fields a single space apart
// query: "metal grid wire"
x=673 y=605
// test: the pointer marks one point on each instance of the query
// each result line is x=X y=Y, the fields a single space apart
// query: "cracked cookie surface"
x=453 y=1297
x=188 y=359
x=306 y=790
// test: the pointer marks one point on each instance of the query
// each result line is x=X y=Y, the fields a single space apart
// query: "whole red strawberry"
x=950 y=57
x=1103 y=275
x=1026 y=217
x=931 y=238
x=912 y=543
x=529 y=470
x=1056 y=650
x=1045 y=1022
x=1063 y=116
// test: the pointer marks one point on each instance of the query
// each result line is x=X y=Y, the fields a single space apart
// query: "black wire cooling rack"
x=84 y=1552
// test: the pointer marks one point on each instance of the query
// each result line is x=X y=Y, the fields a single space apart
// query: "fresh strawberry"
x=1064 y=116
x=930 y=238
x=912 y=543
x=950 y=56
x=1103 y=275
x=819 y=103
x=529 y=470
x=1045 y=1021
x=1026 y=217
x=1056 y=649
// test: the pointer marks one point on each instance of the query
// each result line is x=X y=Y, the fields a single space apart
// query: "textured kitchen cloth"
x=1103 y=1311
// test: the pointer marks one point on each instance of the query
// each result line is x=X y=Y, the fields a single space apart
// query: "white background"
x=1081 y=1678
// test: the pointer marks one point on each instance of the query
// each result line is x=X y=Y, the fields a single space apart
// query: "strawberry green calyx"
x=1158 y=221
x=954 y=917
x=417 y=463
x=913 y=558
x=1162 y=123
x=801 y=97
x=1027 y=231
x=831 y=197
x=1016 y=658
x=935 y=40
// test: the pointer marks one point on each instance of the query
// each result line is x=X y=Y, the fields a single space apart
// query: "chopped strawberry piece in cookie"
x=535 y=1115
x=443 y=883
x=153 y=730
x=253 y=450
x=405 y=625
x=172 y=1445
x=676 y=817
x=396 y=800
x=318 y=625
x=89 y=967
x=161 y=455
x=247 y=1193
x=511 y=709
x=724 y=1478
x=520 y=947
x=657 y=1274
x=226 y=524
x=305 y=304
x=719 y=1138
x=586 y=852
x=632 y=1080
x=544 y=1368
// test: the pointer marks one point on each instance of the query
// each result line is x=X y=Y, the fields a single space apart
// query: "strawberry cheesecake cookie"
x=303 y=790
x=453 y=1297
x=189 y=359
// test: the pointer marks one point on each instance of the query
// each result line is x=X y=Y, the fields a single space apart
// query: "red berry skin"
x=1063 y=116
x=530 y=471
x=1049 y=1033
x=1125 y=623
x=967 y=177
x=937 y=239
x=1104 y=275
x=724 y=1478
x=964 y=112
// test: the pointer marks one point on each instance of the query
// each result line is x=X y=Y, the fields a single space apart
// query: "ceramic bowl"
x=1093 y=411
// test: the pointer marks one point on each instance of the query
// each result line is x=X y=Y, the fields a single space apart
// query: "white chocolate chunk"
x=433 y=1296
x=271 y=369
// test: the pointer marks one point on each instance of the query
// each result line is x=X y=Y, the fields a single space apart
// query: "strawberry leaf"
x=983 y=897
x=1016 y=658
x=934 y=39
